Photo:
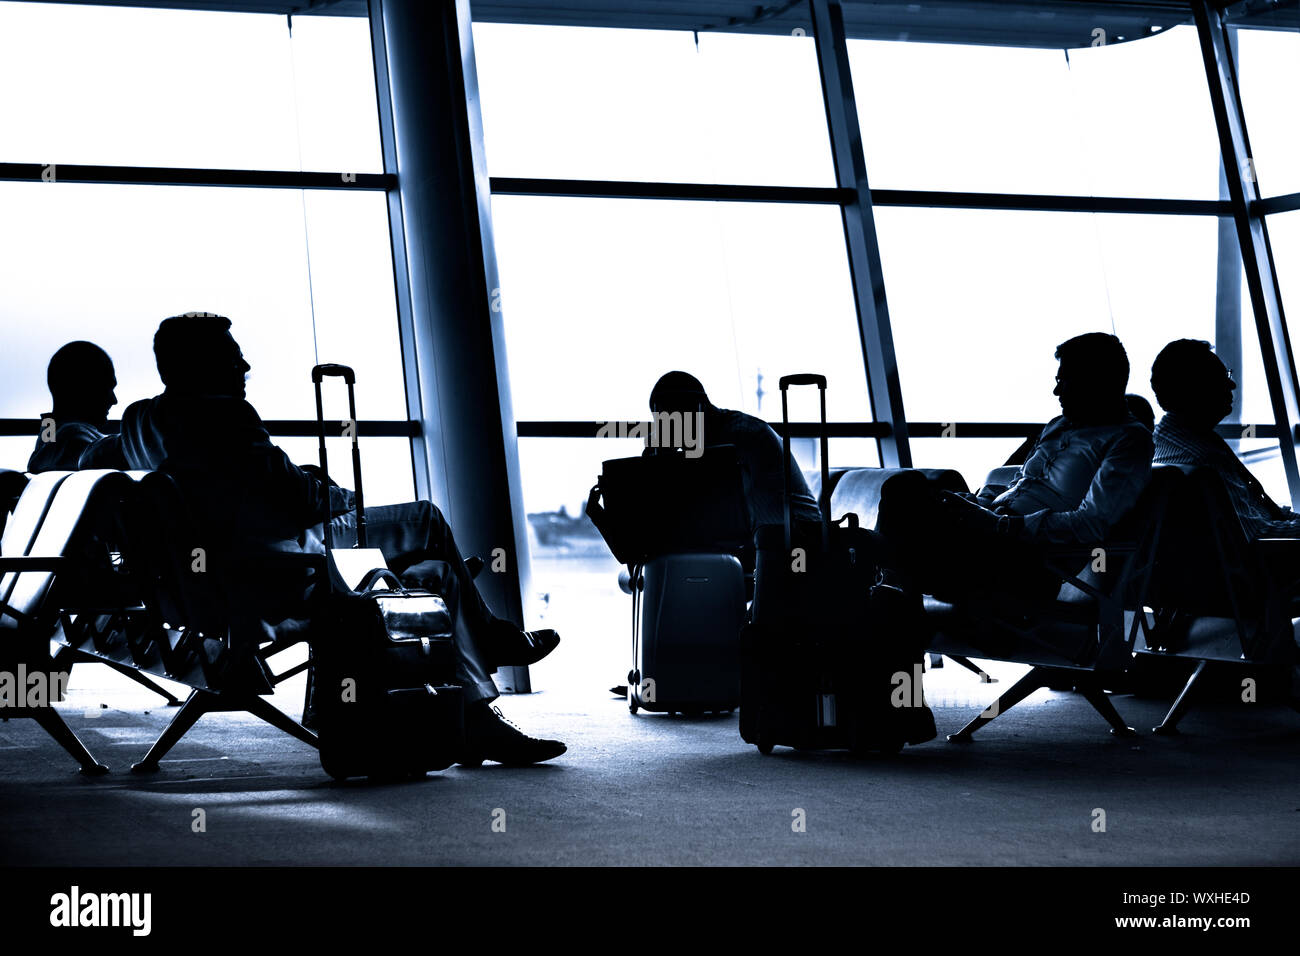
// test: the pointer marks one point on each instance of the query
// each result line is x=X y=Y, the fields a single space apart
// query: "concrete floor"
x=654 y=790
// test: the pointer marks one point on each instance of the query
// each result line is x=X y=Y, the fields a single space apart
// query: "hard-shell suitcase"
x=382 y=688
x=825 y=647
x=686 y=638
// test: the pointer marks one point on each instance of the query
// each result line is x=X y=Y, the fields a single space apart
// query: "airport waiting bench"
x=99 y=565
x=1214 y=595
x=1182 y=581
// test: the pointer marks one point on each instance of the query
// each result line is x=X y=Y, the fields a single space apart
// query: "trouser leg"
x=471 y=669
x=942 y=550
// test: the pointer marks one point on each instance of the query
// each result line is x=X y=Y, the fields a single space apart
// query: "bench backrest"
x=1204 y=563
x=857 y=490
x=23 y=525
x=30 y=511
x=77 y=503
x=12 y=485
x=178 y=573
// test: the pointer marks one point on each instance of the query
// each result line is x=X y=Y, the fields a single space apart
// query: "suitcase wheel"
x=764 y=746
x=633 y=706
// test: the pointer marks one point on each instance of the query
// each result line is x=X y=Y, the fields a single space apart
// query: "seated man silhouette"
x=1084 y=475
x=202 y=431
x=81 y=381
x=1195 y=390
x=757 y=446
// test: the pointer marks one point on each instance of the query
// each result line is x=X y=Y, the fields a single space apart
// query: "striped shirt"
x=1177 y=443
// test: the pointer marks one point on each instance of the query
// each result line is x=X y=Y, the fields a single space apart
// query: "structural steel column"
x=860 y=232
x=1252 y=233
x=453 y=338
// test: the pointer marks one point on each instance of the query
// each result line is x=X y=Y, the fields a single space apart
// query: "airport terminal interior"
x=509 y=219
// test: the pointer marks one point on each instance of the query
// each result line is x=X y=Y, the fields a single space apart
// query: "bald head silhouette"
x=81 y=380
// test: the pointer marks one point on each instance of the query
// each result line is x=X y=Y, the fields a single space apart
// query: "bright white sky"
x=601 y=296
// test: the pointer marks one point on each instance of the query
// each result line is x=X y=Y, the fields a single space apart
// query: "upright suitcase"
x=382 y=688
x=826 y=649
x=686 y=638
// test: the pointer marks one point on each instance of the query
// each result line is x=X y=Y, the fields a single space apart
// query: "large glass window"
x=133 y=87
x=980 y=300
x=652 y=105
x=1284 y=237
x=601 y=297
x=305 y=276
x=107 y=263
x=1269 y=71
x=1118 y=119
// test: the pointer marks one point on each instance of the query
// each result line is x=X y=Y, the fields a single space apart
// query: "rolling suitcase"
x=382 y=689
x=686 y=636
x=826 y=648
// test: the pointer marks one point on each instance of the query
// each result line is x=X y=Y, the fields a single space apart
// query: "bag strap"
x=374 y=576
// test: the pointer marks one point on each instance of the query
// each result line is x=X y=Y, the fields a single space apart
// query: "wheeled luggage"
x=829 y=658
x=382 y=690
x=686 y=636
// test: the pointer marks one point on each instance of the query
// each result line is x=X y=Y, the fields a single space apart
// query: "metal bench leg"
x=263 y=708
x=198 y=704
x=203 y=702
x=52 y=721
x=1014 y=694
x=974 y=668
x=1169 y=726
x=1101 y=703
x=141 y=678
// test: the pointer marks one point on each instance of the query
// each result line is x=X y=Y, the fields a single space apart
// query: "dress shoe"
x=489 y=736
x=515 y=648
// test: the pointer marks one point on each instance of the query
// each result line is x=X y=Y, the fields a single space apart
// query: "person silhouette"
x=757 y=446
x=82 y=382
x=1195 y=388
x=248 y=494
x=1084 y=474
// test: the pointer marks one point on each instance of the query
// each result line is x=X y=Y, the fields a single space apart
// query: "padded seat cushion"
x=858 y=490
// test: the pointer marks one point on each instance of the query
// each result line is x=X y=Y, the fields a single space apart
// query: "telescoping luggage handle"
x=804 y=378
x=318 y=374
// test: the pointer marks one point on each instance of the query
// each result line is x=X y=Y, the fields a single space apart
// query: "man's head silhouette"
x=82 y=381
x=1091 y=379
x=197 y=355
x=1190 y=381
x=679 y=392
